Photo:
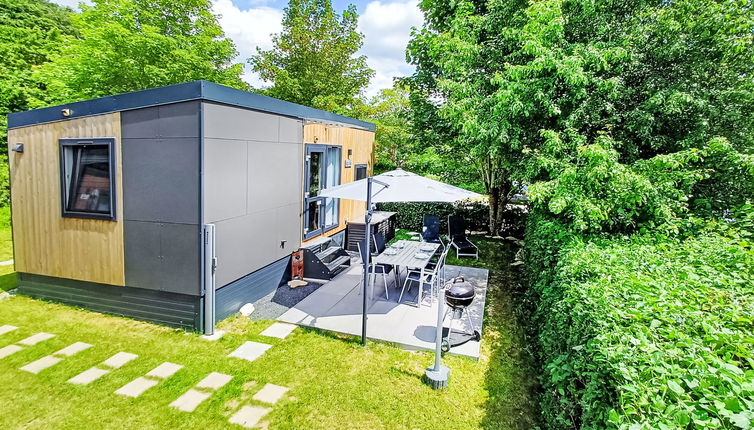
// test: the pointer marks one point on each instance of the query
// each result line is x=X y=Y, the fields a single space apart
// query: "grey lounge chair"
x=458 y=239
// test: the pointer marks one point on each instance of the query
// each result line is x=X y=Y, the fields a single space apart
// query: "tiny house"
x=127 y=204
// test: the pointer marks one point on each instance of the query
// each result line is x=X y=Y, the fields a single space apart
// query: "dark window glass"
x=361 y=171
x=87 y=176
x=314 y=173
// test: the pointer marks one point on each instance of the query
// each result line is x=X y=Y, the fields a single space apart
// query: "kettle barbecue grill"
x=458 y=296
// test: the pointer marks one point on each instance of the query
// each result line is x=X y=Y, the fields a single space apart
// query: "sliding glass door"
x=322 y=170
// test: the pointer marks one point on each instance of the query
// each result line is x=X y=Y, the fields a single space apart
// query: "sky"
x=386 y=25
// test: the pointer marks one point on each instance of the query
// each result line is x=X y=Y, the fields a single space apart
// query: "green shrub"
x=644 y=332
x=475 y=213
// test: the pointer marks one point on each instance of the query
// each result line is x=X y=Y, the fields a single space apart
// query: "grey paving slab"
x=41 y=364
x=214 y=381
x=270 y=393
x=73 y=349
x=88 y=376
x=190 y=400
x=164 y=370
x=7 y=328
x=119 y=359
x=136 y=387
x=249 y=416
x=250 y=351
x=336 y=306
x=36 y=338
x=10 y=349
x=278 y=330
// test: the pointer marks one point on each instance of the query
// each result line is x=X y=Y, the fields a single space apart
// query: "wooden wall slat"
x=45 y=243
x=361 y=142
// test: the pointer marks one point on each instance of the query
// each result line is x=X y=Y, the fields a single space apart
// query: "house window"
x=87 y=178
x=360 y=172
x=322 y=171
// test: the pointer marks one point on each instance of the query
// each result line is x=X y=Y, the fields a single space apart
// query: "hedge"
x=643 y=332
x=475 y=213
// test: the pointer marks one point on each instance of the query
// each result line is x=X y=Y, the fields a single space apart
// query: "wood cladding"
x=45 y=243
x=361 y=144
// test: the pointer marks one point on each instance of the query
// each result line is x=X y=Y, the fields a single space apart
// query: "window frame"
x=356 y=167
x=321 y=148
x=108 y=142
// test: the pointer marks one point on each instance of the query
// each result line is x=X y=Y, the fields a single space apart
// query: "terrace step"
x=328 y=255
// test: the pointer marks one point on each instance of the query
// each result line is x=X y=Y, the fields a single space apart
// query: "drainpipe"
x=210 y=264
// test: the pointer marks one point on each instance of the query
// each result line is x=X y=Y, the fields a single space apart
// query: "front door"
x=322 y=171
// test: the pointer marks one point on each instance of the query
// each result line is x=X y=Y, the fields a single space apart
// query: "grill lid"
x=460 y=294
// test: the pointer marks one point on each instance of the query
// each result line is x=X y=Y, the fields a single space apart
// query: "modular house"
x=113 y=199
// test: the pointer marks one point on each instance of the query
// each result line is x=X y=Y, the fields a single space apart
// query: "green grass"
x=335 y=383
x=7 y=276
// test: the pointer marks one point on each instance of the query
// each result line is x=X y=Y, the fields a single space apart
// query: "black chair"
x=431 y=229
x=377 y=269
x=378 y=243
x=458 y=239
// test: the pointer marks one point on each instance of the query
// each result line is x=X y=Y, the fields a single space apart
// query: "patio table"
x=406 y=257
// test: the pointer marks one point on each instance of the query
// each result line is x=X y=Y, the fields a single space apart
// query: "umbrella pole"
x=368 y=248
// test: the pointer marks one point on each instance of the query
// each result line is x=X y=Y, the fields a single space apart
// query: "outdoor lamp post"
x=437 y=375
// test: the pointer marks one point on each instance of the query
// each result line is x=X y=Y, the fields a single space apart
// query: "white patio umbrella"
x=398 y=186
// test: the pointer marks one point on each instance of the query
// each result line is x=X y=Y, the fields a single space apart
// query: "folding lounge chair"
x=431 y=230
x=458 y=240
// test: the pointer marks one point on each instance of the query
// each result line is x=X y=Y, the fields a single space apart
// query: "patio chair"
x=379 y=243
x=375 y=269
x=431 y=230
x=458 y=239
x=432 y=277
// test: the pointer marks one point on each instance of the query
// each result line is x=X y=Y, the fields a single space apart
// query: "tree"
x=30 y=31
x=128 y=45
x=389 y=110
x=313 y=60
x=619 y=114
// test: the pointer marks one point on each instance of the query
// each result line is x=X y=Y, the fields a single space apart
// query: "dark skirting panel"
x=177 y=310
x=250 y=288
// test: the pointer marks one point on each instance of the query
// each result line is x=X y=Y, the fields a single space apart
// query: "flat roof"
x=196 y=90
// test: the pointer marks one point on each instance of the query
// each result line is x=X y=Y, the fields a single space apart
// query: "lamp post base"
x=437 y=379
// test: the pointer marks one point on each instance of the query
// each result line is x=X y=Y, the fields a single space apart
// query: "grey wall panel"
x=162 y=256
x=275 y=172
x=227 y=122
x=171 y=120
x=250 y=288
x=140 y=123
x=226 y=180
x=177 y=310
x=161 y=179
x=291 y=130
x=288 y=219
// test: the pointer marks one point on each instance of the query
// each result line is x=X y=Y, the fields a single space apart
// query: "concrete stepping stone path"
x=138 y=386
x=201 y=392
x=250 y=351
x=278 y=330
x=8 y=350
x=35 y=339
x=270 y=393
x=7 y=329
x=249 y=416
x=56 y=357
x=92 y=374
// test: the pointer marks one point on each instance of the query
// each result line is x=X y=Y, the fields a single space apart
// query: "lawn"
x=335 y=383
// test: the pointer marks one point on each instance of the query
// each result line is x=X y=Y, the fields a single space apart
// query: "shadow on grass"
x=8 y=281
x=511 y=379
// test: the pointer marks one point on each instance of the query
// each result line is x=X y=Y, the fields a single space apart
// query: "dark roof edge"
x=196 y=90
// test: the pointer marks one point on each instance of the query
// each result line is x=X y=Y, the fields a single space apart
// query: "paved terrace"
x=336 y=306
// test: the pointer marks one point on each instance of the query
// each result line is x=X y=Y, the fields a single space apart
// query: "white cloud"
x=387 y=30
x=73 y=4
x=249 y=29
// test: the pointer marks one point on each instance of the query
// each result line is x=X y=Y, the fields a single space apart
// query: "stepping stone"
x=214 y=381
x=41 y=364
x=190 y=400
x=119 y=359
x=270 y=393
x=136 y=387
x=278 y=330
x=89 y=375
x=36 y=338
x=250 y=351
x=7 y=329
x=8 y=350
x=249 y=416
x=73 y=349
x=164 y=370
